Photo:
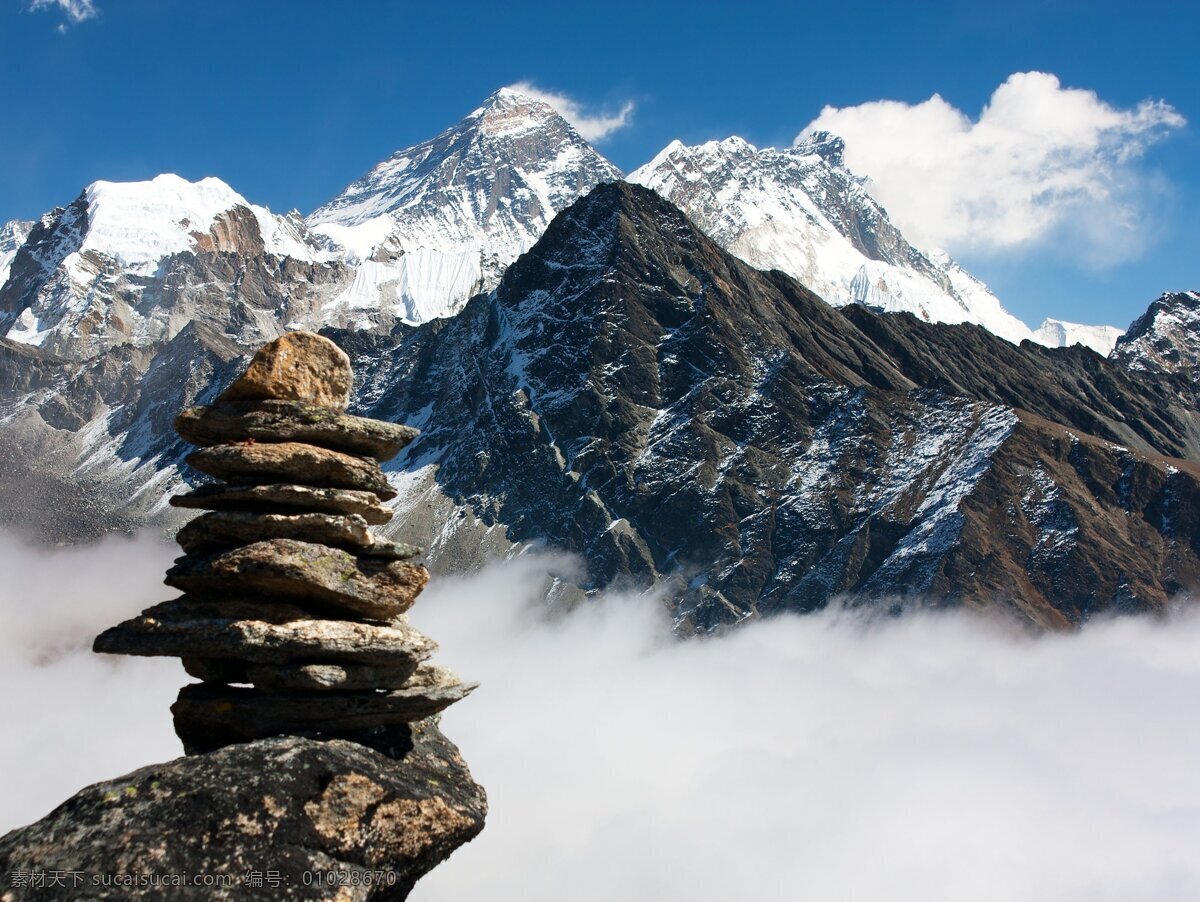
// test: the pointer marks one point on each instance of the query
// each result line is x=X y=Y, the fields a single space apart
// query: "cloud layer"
x=591 y=126
x=1040 y=163
x=927 y=758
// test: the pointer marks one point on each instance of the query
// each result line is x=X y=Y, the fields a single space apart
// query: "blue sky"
x=289 y=101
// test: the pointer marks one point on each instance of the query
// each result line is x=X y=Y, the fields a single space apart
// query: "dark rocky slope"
x=633 y=393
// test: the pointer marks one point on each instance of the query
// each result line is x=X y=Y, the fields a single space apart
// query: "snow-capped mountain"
x=633 y=393
x=1165 y=339
x=437 y=223
x=1056 y=333
x=12 y=236
x=136 y=261
x=801 y=211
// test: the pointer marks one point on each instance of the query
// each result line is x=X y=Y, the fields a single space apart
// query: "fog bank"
x=934 y=757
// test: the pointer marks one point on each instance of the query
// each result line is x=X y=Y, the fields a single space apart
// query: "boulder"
x=209 y=715
x=263 y=632
x=375 y=588
x=280 y=498
x=293 y=421
x=258 y=463
x=278 y=818
x=298 y=366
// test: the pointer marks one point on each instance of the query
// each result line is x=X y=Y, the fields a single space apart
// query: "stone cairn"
x=293 y=613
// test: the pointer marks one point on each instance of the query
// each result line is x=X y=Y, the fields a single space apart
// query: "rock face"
x=1164 y=340
x=260 y=583
x=279 y=818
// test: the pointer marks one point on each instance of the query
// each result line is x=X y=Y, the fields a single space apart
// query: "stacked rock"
x=293 y=617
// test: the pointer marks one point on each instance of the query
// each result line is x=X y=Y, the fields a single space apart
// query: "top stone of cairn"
x=297 y=366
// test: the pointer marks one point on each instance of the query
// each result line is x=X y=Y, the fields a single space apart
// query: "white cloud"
x=592 y=126
x=76 y=11
x=1041 y=164
x=929 y=758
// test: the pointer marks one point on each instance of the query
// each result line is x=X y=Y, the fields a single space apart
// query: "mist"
x=930 y=757
x=73 y=717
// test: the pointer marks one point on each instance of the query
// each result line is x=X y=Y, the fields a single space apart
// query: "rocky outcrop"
x=313 y=757
x=280 y=818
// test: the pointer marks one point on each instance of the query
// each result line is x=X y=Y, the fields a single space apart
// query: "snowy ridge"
x=1056 y=333
x=801 y=211
x=440 y=221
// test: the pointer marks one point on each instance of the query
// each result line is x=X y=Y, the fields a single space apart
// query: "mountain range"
x=730 y=375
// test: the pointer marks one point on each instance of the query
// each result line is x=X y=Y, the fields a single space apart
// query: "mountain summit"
x=438 y=222
x=801 y=211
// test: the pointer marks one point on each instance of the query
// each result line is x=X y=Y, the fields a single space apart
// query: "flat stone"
x=297 y=366
x=208 y=714
x=295 y=806
x=284 y=569
x=262 y=632
x=220 y=530
x=320 y=677
x=282 y=498
x=293 y=421
x=258 y=463
x=385 y=548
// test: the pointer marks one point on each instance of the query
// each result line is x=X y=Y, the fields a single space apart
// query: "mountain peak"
x=509 y=112
x=507 y=97
x=1057 y=333
x=438 y=222
x=1166 y=338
